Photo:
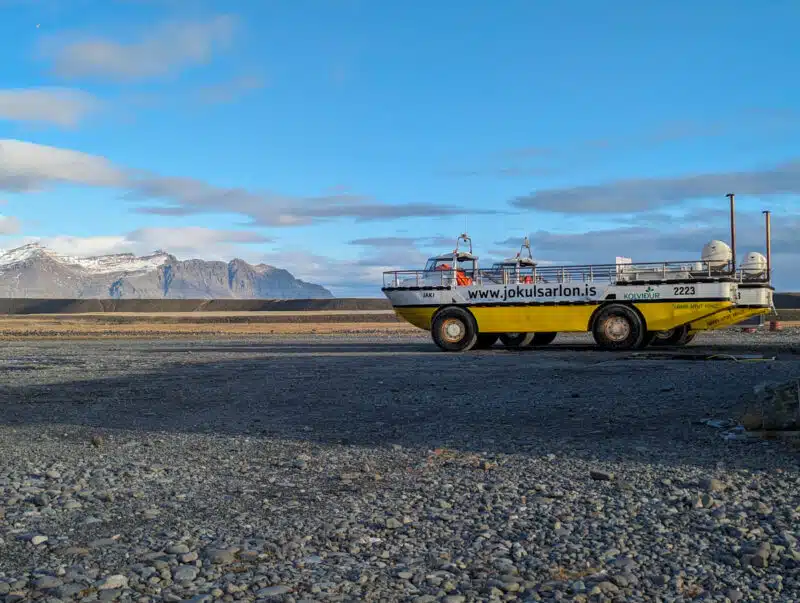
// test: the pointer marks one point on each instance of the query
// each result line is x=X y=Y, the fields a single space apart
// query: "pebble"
x=222 y=557
x=113 y=582
x=184 y=573
x=712 y=485
x=491 y=497
x=273 y=591
x=47 y=582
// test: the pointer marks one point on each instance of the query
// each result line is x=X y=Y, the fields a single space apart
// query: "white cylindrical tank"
x=717 y=253
x=754 y=264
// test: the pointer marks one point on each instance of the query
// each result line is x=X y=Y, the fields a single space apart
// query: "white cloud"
x=82 y=246
x=232 y=89
x=344 y=278
x=641 y=194
x=162 y=50
x=184 y=242
x=60 y=106
x=9 y=225
x=191 y=239
x=26 y=166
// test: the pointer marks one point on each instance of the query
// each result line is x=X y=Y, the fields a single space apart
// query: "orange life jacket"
x=462 y=279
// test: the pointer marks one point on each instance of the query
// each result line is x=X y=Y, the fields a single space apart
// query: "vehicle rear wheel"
x=543 y=338
x=486 y=340
x=676 y=336
x=618 y=327
x=454 y=330
x=516 y=340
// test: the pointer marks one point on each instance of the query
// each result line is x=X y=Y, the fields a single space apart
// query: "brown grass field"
x=218 y=324
x=177 y=324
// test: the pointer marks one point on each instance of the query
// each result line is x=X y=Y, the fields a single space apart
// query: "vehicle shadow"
x=590 y=404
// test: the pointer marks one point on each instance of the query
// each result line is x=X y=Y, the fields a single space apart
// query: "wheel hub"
x=665 y=334
x=617 y=328
x=453 y=330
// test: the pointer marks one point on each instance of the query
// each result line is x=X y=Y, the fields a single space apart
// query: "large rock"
x=773 y=407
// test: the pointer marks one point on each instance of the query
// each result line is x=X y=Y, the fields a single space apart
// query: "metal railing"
x=605 y=273
x=760 y=277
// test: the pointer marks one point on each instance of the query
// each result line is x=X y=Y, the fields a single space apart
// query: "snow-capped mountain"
x=121 y=262
x=33 y=271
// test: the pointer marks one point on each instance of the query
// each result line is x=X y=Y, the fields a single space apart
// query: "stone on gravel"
x=185 y=573
x=774 y=407
x=114 y=582
x=273 y=591
x=47 y=583
x=601 y=475
x=712 y=485
x=221 y=557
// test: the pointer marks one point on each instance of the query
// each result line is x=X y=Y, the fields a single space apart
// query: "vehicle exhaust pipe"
x=733 y=233
x=769 y=244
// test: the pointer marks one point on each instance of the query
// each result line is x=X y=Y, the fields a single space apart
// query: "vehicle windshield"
x=439 y=264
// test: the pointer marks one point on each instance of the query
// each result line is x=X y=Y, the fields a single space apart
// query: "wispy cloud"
x=656 y=243
x=9 y=225
x=184 y=242
x=529 y=152
x=27 y=166
x=756 y=125
x=59 y=106
x=404 y=242
x=232 y=89
x=163 y=49
x=631 y=195
x=193 y=237
x=502 y=172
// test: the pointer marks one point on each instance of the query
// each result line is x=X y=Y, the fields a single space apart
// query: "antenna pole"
x=769 y=244
x=733 y=233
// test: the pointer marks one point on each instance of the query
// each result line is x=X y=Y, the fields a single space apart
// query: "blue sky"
x=339 y=138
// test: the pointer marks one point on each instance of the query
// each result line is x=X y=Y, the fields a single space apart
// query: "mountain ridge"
x=35 y=271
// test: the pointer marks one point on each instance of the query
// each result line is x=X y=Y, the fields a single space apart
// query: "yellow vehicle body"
x=572 y=317
x=752 y=299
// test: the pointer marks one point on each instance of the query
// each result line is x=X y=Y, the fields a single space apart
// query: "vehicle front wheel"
x=618 y=327
x=454 y=330
x=516 y=340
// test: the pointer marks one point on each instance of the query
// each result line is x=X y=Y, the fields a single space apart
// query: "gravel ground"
x=368 y=468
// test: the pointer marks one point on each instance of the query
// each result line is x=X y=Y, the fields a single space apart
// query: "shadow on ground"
x=563 y=399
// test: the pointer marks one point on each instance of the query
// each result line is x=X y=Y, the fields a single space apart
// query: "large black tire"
x=516 y=340
x=647 y=339
x=673 y=337
x=618 y=327
x=454 y=330
x=486 y=341
x=543 y=338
